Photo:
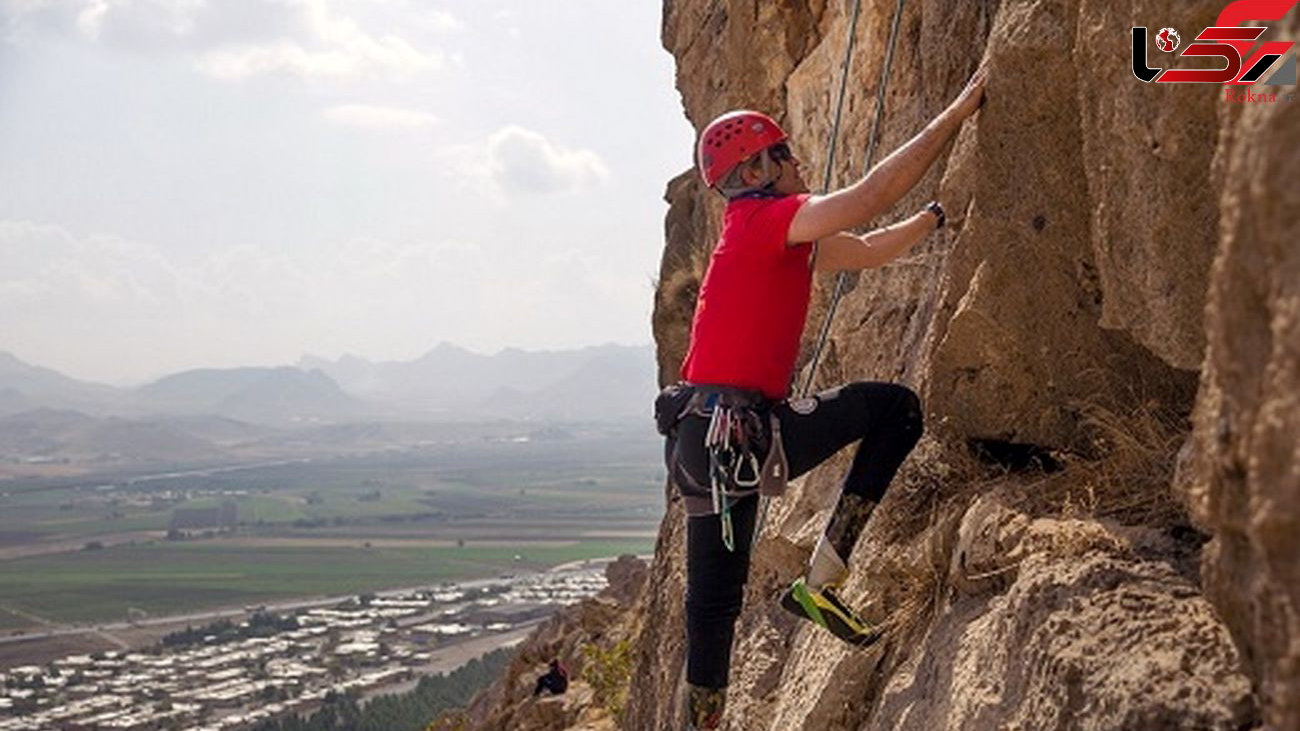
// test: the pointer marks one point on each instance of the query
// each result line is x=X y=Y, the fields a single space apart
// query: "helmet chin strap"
x=765 y=188
x=767 y=170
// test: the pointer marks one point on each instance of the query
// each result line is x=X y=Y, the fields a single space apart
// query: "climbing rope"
x=842 y=279
x=833 y=142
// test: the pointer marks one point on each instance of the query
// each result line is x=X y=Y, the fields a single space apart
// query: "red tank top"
x=753 y=300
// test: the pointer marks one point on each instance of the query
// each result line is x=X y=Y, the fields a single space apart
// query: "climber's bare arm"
x=891 y=179
x=848 y=252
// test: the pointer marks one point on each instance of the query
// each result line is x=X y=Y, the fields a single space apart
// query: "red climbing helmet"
x=733 y=137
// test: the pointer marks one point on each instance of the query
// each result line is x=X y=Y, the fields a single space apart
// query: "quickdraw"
x=731 y=454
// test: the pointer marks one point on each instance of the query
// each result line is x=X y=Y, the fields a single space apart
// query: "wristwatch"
x=937 y=210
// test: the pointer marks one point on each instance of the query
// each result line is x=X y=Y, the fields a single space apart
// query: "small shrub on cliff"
x=608 y=671
x=1131 y=480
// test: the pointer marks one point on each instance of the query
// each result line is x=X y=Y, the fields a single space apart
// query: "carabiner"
x=754 y=469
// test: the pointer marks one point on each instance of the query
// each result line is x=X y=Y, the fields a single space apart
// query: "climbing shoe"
x=822 y=607
x=704 y=707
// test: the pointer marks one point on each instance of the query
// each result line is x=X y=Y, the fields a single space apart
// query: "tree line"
x=411 y=711
x=260 y=624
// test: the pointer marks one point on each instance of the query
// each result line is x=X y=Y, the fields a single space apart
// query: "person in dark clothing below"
x=732 y=430
x=556 y=681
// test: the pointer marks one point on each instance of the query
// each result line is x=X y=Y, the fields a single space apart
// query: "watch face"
x=803 y=406
x=937 y=210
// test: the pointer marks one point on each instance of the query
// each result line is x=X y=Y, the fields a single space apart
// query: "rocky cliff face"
x=1243 y=477
x=1102 y=527
x=592 y=639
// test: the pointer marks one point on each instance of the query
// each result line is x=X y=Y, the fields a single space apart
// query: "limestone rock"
x=626 y=576
x=1088 y=635
x=1243 y=475
x=1146 y=150
x=508 y=705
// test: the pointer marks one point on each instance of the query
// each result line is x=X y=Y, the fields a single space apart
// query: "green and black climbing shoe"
x=822 y=607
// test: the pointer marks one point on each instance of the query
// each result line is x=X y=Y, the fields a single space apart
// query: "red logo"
x=1244 y=61
x=1168 y=39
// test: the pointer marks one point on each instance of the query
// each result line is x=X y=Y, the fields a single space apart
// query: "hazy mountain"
x=219 y=430
x=12 y=401
x=54 y=434
x=268 y=395
x=610 y=385
x=449 y=377
x=24 y=386
x=215 y=415
x=39 y=432
x=608 y=380
x=601 y=382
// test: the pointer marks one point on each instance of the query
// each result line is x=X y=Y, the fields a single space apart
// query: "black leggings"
x=553 y=682
x=885 y=417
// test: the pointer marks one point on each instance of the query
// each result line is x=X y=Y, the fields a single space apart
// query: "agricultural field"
x=164 y=579
x=97 y=548
x=10 y=621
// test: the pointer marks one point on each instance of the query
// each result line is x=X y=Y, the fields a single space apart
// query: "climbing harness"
x=742 y=441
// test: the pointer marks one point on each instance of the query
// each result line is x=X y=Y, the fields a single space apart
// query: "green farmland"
x=11 y=621
x=602 y=475
x=169 y=578
x=87 y=550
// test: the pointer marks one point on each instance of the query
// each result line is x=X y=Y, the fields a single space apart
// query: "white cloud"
x=442 y=21
x=334 y=46
x=525 y=161
x=54 y=280
x=140 y=19
x=508 y=19
x=519 y=161
x=21 y=7
x=90 y=21
x=149 y=25
x=366 y=57
x=20 y=19
x=373 y=117
x=17 y=10
x=238 y=39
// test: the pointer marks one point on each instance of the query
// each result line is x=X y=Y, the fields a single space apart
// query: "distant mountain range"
x=260 y=395
x=75 y=437
x=24 y=386
x=605 y=381
x=608 y=382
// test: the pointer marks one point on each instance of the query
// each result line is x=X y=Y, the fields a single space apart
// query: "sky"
x=220 y=183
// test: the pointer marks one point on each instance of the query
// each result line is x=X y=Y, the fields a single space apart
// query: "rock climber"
x=732 y=429
x=556 y=680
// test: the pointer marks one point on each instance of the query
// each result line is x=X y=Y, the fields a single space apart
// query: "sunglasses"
x=780 y=152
